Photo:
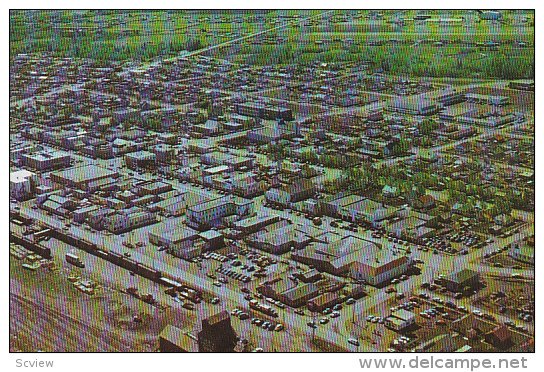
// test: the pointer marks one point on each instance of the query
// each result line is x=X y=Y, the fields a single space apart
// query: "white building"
x=400 y=320
x=22 y=184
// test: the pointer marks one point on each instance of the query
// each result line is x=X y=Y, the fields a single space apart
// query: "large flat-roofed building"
x=213 y=335
x=400 y=320
x=87 y=178
x=210 y=213
x=459 y=280
x=22 y=184
x=279 y=238
x=46 y=160
x=356 y=258
x=488 y=99
x=356 y=208
x=293 y=193
x=413 y=105
x=271 y=131
x=176 y=340
x=179 y=240
x=176 y=205
x=140 y=159
x=289 y=292
x=221 y=158
x=264 y=111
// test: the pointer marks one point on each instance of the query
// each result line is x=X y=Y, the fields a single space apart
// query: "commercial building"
x=140 y=159
x=290 y=293
x=87 y=178
x=179 y=240
x=214 y=335
x=487 y=99
x=279 y=238
x=210 y=213
x=459 y=280
x=175 y=340
x=293 y=193
x=46 y=160
x=175 y=206
x=323 y=301
x=500 y=337
x=264 y=111
x=216 y=158
x=22 y=184
x=413 y=105
x=356 y=208
x=355 y=258
x=271 y=131
x=400 y=320
x=118 y=222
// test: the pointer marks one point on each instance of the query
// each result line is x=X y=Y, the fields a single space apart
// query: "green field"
x=409 y=48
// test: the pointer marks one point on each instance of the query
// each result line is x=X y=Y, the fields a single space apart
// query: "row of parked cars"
x=265 y=324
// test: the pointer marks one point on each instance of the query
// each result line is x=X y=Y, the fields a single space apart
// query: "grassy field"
x=410 y=47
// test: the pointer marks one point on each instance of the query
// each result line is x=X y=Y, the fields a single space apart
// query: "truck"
x=74 y=260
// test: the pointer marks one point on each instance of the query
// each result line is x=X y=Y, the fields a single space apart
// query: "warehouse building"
x=289 y=292
x=461 y=279
x=355 y=258
x=400 y=320
x=179 y=241
x=46 y=160
x=22 y=184
x=279 y=238
x=140 y=159
x=87 y=178
x=210 y=213
x=293 y=193
x=413 y=105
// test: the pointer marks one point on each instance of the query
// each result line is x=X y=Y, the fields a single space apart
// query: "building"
x=46 y=160
x=118 y=222
x=216 y=334
x=254 y=224
x=487 y=99
x=323 y=301
x=179 y=240
x=271 y=131
x=264 y=111
x=175 y=206
x=413 y=105
x=140 y=159
x=210 y=127
x=279 y=238
x=461 y=279
x=87 y=178
x=500 y=337
x=400 y=320
x=289 y=292
x=211 y=212
x=356 y=258
x=22 y=184
x=217 y=158
x=175 y=340
x=293 y=193
x=356 y=208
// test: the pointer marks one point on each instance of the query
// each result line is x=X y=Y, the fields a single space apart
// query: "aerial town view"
x=271 y=181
